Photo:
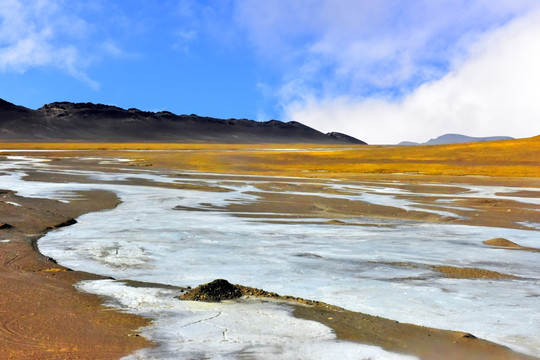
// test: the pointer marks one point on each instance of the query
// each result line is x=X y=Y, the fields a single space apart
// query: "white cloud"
x=493 y=90
x=395 y=70
x=352 y=46
x=41 y=33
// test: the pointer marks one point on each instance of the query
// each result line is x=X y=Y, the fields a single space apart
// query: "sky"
x=383 y=71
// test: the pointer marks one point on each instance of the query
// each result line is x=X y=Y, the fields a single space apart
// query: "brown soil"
x=484 y=212
x=504 y=243
x=498 y=212
x=42 y=316
x=523 y=193
x=454 y=271
x=426 y=343
x=293 y=205
x=470 y=273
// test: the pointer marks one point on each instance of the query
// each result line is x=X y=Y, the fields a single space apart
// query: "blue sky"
x=383 y=71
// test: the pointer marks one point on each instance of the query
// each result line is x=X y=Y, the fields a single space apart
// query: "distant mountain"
x=65 y=121
x=408 y=143
x=455 y=139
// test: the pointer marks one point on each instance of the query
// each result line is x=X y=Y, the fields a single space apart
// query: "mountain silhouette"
x=88 y=122
x=455 y=139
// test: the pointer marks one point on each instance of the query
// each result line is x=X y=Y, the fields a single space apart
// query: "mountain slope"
x=65 y=121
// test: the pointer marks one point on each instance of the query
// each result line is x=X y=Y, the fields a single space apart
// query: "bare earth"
x=42 y=316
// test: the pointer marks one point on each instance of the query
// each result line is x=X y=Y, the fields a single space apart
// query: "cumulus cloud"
x=45 y=33
x=492 y=91
x=345 y=46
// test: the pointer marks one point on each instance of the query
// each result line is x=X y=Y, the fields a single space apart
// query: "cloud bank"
x=389 y=71
x=494 y=91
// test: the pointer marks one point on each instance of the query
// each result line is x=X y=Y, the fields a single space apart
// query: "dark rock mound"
x=68 y=222
x=5 y=226
x=221 y=289
x=214 y=291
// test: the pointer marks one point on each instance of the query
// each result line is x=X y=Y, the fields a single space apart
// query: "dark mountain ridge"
x=66 y=121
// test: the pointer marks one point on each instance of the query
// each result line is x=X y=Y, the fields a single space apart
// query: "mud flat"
x=41 y=305
x=507 y=244
x=42 y=316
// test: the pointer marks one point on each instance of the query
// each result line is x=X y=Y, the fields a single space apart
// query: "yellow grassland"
x=509 y=158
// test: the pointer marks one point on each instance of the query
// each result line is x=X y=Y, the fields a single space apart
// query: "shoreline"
x=30 y=267
x=400 y=338
x=42 y=314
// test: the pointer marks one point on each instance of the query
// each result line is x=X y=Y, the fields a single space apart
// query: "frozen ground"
x=350 y=266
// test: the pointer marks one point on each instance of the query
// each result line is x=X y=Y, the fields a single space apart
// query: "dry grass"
x=510 y=158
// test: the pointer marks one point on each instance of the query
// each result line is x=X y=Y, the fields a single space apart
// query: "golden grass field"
x=509 y=158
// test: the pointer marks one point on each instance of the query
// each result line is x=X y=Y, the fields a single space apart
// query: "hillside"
x=87 y=122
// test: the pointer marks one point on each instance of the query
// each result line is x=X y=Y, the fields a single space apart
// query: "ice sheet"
x=189 y=248
x=530 y=224
x=228 y=330
x=349 y=266
x=12 y=203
